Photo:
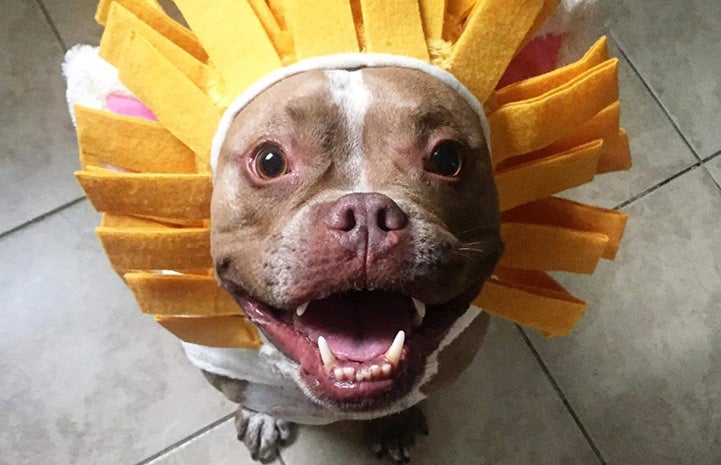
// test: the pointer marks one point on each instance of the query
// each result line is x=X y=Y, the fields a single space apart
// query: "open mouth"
x=358 y=349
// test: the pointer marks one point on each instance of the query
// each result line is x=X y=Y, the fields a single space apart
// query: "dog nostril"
x=391 y=219
x=342 y=219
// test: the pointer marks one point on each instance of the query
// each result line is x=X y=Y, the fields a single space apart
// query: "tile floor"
x=83 y=380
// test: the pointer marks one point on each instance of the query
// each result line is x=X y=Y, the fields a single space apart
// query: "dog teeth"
x=386 y=369
x=375 y=371
x=420 y=312
x=338 y=372
x=394 y=352
x=325 y=353
x=301 y=309
x=349 y=372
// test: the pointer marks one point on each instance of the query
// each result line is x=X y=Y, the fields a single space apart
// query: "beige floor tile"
x=714 y=167
x=215 y=447
x=501 y=411
x=643 y=368
x=37 y=141
x=86 y=378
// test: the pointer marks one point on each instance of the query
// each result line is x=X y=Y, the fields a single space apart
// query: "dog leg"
x=262 y=434
x=394 y=435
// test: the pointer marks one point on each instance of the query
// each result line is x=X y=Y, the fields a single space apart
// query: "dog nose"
x=370 y=211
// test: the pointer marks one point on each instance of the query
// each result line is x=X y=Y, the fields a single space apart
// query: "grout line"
x=185 y=440
x=655 y=187
x=711 y=157
x=51 y=23
x=655 y=96
x=39 y=218
x=562 y=396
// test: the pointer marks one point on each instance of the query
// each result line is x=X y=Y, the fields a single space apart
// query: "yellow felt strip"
x=541 y=247
x=133 y=144
x=278 y=8
x=617 y=156
x=555 y=211
x=542 y=178
x=186 y=111
x=539 y=85
x=234 y=38
x=156 y=248
x=529 y=125
x=150 y=12
x=548 y=309
x=220 y=331
x=460 y=8
x=394 y=27
x=160 y=195
x=121 y=23
x=432 y=15
x=549 y=6
x=321 y=28
x=181 y=295
x=494 y=32
x=282 y=40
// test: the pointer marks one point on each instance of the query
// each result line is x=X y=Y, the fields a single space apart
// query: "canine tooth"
x=349 y=372
x=420 y=309
x=386 y=369
x=375 y=370
x=325 y=353
x=338 y=372
x=301 y=309
x=394 y=352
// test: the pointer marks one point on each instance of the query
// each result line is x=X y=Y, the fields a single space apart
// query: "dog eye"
x=271 y=162
x=445 y=159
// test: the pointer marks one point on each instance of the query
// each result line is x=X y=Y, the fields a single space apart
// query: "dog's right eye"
x=271 y=162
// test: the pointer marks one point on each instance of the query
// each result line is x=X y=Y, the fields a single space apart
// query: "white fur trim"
x=346 y=61
x=574 y=19
x=90 y=79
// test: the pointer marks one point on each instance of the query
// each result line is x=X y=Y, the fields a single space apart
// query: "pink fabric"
x=128 y=106
x=539 y=56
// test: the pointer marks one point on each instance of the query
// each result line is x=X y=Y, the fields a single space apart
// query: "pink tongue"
x=358 y=326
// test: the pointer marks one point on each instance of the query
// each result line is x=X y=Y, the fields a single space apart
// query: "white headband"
x=347 y=61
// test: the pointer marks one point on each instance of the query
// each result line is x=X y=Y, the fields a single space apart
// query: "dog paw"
x=393 y=436
x=262 y=434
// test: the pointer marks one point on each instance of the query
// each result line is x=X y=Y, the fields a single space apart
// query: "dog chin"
x=358 y=350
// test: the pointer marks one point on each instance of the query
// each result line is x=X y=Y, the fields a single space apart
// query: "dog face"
x=354 y=218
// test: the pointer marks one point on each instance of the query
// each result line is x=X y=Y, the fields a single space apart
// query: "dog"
x=354 y=219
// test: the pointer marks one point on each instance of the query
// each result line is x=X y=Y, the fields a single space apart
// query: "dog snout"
x=369 y=211
x=366 y=220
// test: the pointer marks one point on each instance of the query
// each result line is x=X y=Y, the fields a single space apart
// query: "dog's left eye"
x=445 y=159
x=271 y=162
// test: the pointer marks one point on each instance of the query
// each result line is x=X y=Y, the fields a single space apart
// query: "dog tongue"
x=358 y=326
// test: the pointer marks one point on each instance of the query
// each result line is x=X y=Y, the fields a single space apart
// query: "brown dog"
x=354 y=219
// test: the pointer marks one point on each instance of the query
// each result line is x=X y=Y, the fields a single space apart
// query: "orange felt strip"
x=542 y=247
x=531 y=302
x=529 y=125
x=394 y=27
x=220 y=331
x=168 y=93
x=549 y=6
x=617 y=155
x=131 y=221
x=181 y=295
x=133 y=144
x=121 y=23
x=234 y=38
x=321 y=28
x=479 y=57
x=461 y=8
x=151 y=13
x=538 y=179
x=185 y=196
x=554 y=211
x=278 y=7
x=156 y=248
x=539 y=85
x=432 y=15
x=282 y=40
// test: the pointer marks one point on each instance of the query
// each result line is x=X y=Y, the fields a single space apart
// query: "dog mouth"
x=358 y=348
